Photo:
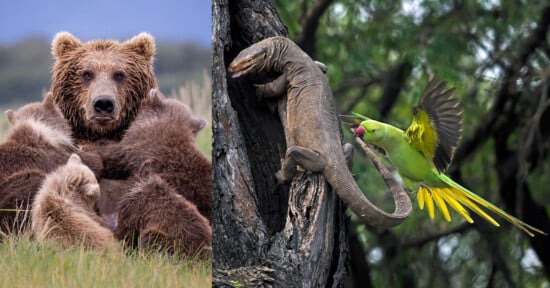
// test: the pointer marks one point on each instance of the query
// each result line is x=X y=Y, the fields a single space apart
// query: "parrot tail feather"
x=457 y=197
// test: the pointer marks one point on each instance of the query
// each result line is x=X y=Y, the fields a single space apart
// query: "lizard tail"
x=457 y=197
x=347 y=189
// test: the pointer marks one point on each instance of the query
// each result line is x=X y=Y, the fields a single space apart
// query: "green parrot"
x=423 y=152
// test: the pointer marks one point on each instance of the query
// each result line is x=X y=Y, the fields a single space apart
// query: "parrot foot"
x=348 y=154
x=421 y=184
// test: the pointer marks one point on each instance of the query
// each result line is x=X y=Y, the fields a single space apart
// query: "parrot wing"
x=437 y=125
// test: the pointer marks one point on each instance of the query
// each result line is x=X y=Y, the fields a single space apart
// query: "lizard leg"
x=273 y=89
x=348 y=154
x=306 y=158
x=288 y=169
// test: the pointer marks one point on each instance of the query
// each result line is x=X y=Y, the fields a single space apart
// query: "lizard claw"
x=280 y=178
x=260 y=91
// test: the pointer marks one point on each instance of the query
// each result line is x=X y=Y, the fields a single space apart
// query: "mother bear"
x=99 y=85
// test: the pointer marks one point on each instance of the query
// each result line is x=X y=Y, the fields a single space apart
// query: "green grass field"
x=25 y=263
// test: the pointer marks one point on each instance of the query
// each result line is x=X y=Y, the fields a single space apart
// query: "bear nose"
x=104 y=104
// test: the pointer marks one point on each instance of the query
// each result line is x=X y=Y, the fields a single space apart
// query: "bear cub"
x=165 y=219
x=39 y=138
x=64 y=208
x=163 y=134
x=39 y=141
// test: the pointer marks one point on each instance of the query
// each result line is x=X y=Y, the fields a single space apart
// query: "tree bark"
x=265 y=234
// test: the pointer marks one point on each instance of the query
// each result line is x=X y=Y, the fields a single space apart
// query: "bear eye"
x=87 y=75
x=118 y=76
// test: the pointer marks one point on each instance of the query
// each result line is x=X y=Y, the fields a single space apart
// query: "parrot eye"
x=373 y=130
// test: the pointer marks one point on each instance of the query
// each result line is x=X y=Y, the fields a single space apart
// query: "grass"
x=199 y=98
x=25 y=263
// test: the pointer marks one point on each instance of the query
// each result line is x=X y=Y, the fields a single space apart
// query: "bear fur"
x=99 y=85
x=154 y=216
x=38 y=138
x=112 y=191
x=16 y=194
x=38 y=142
x=64 y=208
x=101 y=88
x=163 y=134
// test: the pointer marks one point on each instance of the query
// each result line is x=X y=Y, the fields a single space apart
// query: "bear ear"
x=63 y=43
x=74 y=159
x=197 y=124
x=10 y=114
x=48 y=100
x=143 y=44
x=155 y=97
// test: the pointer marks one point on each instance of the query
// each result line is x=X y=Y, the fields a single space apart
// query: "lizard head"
x=373 y=131
x=251 y=59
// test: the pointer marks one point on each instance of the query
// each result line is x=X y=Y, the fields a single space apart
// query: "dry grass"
x=25 y=263
x=198 y=96
x=4 y=126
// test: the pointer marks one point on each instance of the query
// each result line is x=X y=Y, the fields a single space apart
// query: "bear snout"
x=102 y=109
x=104 y=104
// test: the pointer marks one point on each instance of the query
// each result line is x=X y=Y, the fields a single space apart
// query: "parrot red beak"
x=360 y=132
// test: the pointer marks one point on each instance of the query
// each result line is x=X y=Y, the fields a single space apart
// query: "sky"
x=170 y=20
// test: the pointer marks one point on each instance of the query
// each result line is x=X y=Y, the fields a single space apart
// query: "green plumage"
x=424 y=151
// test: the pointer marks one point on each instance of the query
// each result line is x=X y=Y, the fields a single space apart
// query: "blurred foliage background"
x=182 y=70
x=380 y=56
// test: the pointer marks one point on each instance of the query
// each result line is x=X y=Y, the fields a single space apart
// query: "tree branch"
x=310 y=23
x=504 y=95
x=394 y=82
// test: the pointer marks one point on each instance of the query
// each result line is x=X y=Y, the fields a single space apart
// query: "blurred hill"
x=25 y=68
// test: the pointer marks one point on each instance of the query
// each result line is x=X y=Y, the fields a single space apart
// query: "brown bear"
x=39 y=138
x=163 y=134
x=99 y=85
x=64 y=208
x=155 y=216
x=39 y=141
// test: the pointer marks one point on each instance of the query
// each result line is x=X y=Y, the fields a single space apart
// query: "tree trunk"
x=265 y=234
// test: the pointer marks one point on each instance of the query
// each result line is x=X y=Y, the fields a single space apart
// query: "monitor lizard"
x=312 y=129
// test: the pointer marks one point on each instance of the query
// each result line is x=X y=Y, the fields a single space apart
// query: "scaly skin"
x=311 y=124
